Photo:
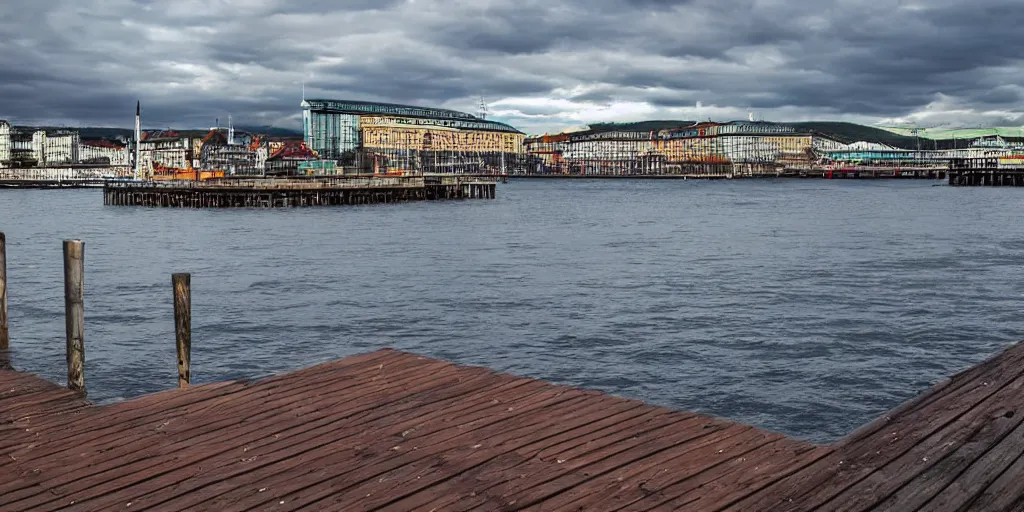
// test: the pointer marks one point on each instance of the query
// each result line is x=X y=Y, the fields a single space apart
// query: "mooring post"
x=183 y=326
x=74 y=312
x=5 y=340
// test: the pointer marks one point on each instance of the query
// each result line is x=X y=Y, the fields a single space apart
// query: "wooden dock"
x=993 y=177
x=391 y=431
x=985 y=172
x=295 y=191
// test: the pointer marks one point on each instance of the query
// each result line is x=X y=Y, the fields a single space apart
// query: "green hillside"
x=850 y=132
x=1013 y=132
x=639 y=126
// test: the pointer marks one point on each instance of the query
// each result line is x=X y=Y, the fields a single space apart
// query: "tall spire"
x=138 y=135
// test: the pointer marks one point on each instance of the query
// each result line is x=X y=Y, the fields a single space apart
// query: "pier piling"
x=295 y=192
x=5 y=340
x=183 y=326
x=74 y=310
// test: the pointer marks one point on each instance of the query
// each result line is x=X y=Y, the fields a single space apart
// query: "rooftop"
x=399 y=110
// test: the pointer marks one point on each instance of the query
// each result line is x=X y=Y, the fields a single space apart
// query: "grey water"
x=805 y=307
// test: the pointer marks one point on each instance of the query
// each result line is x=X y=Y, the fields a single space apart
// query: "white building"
x=57 y=147
x=165 y=149
x=5 y=143
x=39 y=148
x=102 y=152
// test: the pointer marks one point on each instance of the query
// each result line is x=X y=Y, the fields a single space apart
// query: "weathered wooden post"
x=183 y=326
x=5 y=340
x=74 y=312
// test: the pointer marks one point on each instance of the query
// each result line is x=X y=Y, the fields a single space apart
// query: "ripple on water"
x=803 y=307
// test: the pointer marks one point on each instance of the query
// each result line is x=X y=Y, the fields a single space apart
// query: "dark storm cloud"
x=541 y=63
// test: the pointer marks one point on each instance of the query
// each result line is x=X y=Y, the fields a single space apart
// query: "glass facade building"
x=389 y=137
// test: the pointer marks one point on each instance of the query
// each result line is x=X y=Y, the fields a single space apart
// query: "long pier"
x=291 y=192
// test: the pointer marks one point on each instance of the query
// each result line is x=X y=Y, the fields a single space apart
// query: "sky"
x=540 y=65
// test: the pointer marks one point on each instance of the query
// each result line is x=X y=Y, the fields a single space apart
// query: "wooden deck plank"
x=935 y=459
x=143 y=444
x=391 y=431
x=148 y=463
x=852 y=461
x=282 y=451
x=627 y=419
x=544 y=485
x=726 y=484
x=975 y=376
x=642 y=486
x=159 y=404
x=173 y=414
x=296 y=462
x=134 y=412
x=634 y=470
x=969 y=485
x=1005 y=492
x=438 y=474
x=472 y=440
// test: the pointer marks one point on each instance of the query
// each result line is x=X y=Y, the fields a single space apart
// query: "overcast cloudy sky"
x=542 y=65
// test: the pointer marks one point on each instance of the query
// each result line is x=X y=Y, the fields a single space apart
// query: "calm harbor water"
x=807 y=307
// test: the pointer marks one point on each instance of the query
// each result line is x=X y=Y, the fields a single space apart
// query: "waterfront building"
x=44 y=147
x=705 y=148
x=23 y=151
x=739 y=148
x=402 y=139
x=5 y=143
x=288 y=156
x=29 y=147
x=228 y=152
x=615 y=153
x=165 y=151
x=103 y=152
x=57 y=146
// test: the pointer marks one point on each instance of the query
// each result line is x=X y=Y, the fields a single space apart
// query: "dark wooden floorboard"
x=104 y=459
x=390 y=431
x=936 y=460
x=589 y=432
x=854 y=460
x=398 y=423
x=193 y=451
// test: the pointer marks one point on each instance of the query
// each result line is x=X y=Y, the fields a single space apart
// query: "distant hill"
x=842 y=132
x=639 y=126
x=903 y=137
x=273 y=131
x=850 y=132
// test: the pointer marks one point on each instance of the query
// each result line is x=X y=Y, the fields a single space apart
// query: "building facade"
x=705 y=148
x=57 y=147
x=5 y=143
x=165 y=151
x=390 y=138
x=103 y=152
